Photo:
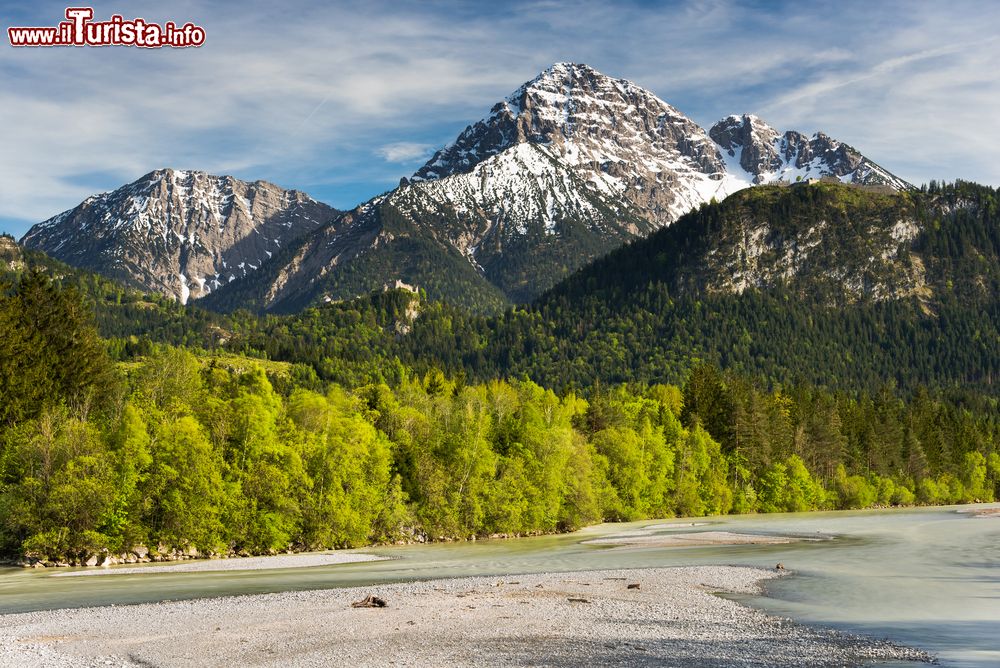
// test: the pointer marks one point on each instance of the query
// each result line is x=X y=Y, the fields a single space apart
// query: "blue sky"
x=342 y=99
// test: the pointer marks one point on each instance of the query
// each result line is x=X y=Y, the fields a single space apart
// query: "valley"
x=587 y=341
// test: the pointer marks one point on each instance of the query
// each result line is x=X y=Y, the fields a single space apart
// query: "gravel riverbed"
x=693 y=539
x=556 y=619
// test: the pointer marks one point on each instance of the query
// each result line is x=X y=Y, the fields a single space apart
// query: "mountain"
x=755 y=151
x=570 y=166
x=567 y=168
x=182 y=234
x=619 y=139
x=854 y=288
x=628 y=144
x=839 y=285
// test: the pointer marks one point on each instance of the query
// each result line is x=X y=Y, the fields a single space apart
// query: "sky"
x=341 y=99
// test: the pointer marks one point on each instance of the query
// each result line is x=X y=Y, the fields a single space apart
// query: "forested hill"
x=821 y=243
x=835 y=285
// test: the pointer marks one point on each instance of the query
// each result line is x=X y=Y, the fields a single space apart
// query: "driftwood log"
x=369 y=602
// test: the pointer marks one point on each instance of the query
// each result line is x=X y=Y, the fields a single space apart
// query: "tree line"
x=183 y=451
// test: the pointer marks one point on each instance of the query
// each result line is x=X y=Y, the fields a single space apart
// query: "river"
x=925 y=577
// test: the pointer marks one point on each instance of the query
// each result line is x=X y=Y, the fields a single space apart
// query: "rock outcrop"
x=179 y=233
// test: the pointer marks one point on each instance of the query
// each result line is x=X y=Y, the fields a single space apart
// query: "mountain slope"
x=567 y=168
x=835 y=285
x=831 y=243
x=183 y=234
x=512 y=226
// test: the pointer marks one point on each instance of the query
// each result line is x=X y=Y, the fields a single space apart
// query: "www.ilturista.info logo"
x=79 y=30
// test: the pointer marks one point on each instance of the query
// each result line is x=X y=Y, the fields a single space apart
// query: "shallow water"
x=928 y=578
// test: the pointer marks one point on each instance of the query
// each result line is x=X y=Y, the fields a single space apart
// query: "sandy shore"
x=693 y=539
x=556 y=619
x=234 y=564
x=982 y=512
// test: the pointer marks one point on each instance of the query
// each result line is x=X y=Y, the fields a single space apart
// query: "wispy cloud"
x=404 y=152
x=826 y=85
x=303 y=94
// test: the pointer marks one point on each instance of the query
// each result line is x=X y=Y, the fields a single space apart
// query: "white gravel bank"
x=693 y=539
x=527 y=620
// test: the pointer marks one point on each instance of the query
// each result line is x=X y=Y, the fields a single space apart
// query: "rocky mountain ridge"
x=181 y=233
x=767 y=156
x=568 y=167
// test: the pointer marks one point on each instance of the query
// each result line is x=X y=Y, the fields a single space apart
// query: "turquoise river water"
x=927 y=577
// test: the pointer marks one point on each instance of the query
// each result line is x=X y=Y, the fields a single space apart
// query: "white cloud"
x=404 y=151
x=303 y=94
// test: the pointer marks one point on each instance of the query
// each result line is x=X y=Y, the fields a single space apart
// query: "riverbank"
x=142 y=555
x=648 y=538
x=280 y=561
x=554 y=619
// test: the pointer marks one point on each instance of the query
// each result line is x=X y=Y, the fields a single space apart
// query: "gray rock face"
x=621 y=139
x=766 y=155
x=183 y=234
x=754 y=142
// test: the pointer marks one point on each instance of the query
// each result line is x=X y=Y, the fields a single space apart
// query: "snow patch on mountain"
x=630 y=145
x=761 y=154
x=171 y=230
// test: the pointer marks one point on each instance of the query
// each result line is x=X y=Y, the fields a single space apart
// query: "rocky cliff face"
x=180 y=233
x=764 y=155
x=10 y=254
x=622 y=140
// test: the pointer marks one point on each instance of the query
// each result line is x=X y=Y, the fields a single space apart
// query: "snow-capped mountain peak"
x=764 y=155
x=620 y=138
x=626 y=142
x=182 y=233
